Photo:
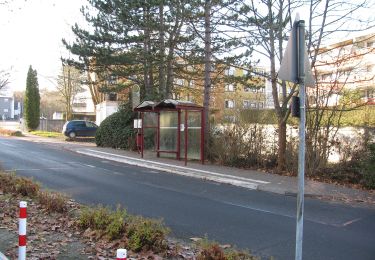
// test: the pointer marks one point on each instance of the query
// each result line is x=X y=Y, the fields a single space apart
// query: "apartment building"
x=347 y=66
x=230 y=93
x=6 y=104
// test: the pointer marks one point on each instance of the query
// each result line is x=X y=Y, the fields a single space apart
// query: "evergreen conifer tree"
x=32 y=100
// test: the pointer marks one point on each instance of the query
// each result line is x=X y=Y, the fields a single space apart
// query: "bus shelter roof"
x=167 y=104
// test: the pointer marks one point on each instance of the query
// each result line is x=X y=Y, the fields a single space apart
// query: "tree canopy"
x=32 y=100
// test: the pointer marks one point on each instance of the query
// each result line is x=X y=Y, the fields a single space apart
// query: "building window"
x=191 y=83
x=260 y=105
x=112 y=80
x=246 y=104
x=253 y=105
x=230 y=119
x=179 y=82
x=229 y=103
x=229 y=71
x=229 y=87
x=261 y=90
x=6 y=100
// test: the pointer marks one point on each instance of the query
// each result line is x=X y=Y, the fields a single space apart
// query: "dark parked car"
x=75 y=128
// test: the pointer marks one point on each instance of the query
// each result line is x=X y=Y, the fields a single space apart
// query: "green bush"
x=117 y=131
x=368 y=167
x=211 y=250
x=147 y=234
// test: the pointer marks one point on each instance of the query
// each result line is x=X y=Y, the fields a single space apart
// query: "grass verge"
x=110 y=229
x=47 y=134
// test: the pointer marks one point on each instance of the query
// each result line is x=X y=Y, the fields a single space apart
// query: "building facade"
x=345 y=71
x=6 y=104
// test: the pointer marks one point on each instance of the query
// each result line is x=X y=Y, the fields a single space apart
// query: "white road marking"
x=89 y=165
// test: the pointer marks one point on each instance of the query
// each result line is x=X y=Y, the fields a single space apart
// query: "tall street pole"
x=302 y=128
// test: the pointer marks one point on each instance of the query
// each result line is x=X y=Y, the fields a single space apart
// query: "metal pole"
x=186 y=136
x=301 y=155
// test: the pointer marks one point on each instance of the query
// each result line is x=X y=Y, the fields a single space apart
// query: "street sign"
x=289 y=65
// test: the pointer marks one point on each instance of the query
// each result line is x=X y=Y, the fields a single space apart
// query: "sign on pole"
x=295 y=67
x=289 y=70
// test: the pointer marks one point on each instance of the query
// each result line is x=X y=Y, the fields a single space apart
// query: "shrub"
x=8 y=182
x=147 y=234
x=27 y=187
x=53 y=202
x=214 y=252
x=241 y=145
x=368 y=167
x=7 y=132
x=210 y=250
x=117 y=131
x=116 y=227
x=103 y=219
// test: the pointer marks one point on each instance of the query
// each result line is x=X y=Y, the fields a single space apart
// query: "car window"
x=90 y=124
x=79 y=124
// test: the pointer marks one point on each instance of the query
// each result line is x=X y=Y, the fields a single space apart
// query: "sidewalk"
x=250 y=179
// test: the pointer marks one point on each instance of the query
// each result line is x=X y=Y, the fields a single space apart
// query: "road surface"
x=260 y=221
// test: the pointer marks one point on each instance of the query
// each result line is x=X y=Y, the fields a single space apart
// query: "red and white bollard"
x=22 y=231
x=121 y=254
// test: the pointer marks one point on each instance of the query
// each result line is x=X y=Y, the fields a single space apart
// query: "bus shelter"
x=173 y=128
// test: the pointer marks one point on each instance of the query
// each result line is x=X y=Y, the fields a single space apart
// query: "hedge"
x=117 y=131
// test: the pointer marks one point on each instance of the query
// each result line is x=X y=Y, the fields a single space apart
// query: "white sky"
x=31 y=33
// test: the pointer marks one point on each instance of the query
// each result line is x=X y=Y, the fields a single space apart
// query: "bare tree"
x=4 y=78
x=267 y=22
x=69 y=85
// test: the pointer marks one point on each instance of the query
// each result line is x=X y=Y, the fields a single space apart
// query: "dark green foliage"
x=141 y=233
x=117 y=130
x=368 y=167
x=146 y=234
x=32 y=100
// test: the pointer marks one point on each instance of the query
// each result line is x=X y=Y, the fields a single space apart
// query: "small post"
x=22 y=231
x=121 y=254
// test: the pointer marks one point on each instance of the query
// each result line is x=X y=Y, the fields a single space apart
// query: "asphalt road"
x=262 y=222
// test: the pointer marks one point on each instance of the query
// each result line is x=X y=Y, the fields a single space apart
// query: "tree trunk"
x=146 y=44
x=162 y=69
x=281 y=158
x=207 y=69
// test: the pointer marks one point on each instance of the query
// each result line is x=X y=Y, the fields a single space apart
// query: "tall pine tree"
x=32 y=100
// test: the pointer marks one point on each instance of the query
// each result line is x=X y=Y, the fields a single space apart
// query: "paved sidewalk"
x=239 y=177
x=249 y=179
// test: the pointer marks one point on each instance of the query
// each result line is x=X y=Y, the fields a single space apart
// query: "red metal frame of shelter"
x=173 y=106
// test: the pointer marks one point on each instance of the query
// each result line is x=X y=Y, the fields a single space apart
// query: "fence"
x=47 y=125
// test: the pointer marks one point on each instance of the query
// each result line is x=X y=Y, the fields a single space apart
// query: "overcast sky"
x=31 y=33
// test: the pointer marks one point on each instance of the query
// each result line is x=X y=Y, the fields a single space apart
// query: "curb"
x=180 y=170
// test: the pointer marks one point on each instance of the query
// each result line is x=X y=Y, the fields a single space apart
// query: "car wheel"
x=72 y=135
